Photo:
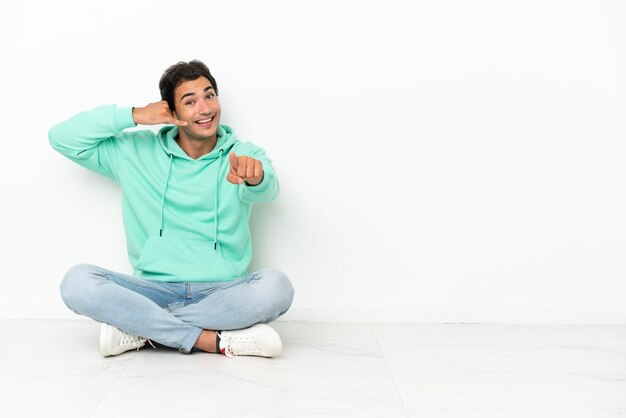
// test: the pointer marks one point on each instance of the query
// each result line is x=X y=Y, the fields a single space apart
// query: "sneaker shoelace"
x=240 y=346
x=133 y=340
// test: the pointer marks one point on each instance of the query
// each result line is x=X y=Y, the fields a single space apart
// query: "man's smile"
x=206 y=122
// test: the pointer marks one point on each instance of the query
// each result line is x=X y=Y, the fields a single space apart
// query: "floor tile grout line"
x=393 y=380
x=113 y=384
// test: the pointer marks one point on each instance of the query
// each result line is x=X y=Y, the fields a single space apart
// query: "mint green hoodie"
x=169 y=200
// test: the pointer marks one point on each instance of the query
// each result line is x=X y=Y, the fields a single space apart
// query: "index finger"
x=234 y=162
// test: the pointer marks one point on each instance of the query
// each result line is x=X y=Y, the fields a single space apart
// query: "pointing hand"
x=244 y=168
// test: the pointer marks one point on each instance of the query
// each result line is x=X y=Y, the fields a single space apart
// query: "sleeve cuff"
x=262 y=186
x=124 y=118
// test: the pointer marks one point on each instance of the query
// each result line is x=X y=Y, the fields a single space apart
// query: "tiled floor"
x=52 y=368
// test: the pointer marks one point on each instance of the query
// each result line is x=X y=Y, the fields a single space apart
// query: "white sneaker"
x=114 y=342
x=258 y=340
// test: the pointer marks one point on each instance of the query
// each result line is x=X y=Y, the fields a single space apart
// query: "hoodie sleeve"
x=268 y=188
x=91 y=138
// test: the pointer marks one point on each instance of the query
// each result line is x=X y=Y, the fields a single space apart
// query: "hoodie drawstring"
x=167 y=180
x=217 y=178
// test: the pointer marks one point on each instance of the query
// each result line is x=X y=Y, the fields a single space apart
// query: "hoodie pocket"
x=181 y=260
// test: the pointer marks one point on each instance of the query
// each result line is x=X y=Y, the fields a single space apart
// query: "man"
x=187 y=194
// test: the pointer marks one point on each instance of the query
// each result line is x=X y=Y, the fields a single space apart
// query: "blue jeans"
x=174 y=314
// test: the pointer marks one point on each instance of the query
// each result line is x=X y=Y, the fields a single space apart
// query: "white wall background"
x=446 y=161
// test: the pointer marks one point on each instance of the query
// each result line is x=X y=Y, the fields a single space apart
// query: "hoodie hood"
x=225 y=141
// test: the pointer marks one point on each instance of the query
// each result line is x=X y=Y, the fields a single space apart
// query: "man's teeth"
x=205 y=120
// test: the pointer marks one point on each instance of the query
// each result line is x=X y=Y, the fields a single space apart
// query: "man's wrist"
x=134 y=115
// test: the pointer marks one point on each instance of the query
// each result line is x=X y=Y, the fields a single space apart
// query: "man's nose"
x=204 y=107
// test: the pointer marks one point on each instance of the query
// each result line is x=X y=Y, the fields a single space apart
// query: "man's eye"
x=210 y=96
x=190 y=102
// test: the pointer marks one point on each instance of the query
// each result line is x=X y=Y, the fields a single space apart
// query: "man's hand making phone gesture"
x=155 y=114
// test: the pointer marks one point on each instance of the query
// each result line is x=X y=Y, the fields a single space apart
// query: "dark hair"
x=175 y=75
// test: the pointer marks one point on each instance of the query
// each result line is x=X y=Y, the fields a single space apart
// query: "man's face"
x=197 y=104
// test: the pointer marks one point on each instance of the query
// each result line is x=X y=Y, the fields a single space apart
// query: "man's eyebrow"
x=206 y=89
